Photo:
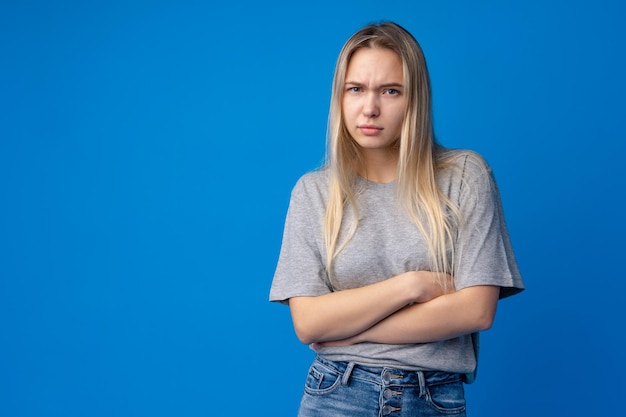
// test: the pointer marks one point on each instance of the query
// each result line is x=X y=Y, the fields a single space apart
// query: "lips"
x=370 y=129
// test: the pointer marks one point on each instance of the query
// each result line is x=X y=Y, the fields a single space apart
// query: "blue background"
x=147 y=152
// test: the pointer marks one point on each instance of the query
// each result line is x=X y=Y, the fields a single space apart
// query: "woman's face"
x=374 y=101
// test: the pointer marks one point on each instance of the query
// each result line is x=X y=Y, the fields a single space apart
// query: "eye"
x=391 y=92
x=354 y=89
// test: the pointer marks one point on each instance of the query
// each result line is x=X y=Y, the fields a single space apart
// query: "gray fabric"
x=386 y=244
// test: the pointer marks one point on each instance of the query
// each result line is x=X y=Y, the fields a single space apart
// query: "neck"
x=379 y=165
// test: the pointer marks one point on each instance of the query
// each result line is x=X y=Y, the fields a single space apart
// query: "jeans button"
x=389 y=409
x=386 y=376
x=387 y=393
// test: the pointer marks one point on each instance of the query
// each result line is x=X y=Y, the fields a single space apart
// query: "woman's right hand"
x=426 y=285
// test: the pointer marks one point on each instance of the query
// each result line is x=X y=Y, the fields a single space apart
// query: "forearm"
x=466 y=311
x=343 y=314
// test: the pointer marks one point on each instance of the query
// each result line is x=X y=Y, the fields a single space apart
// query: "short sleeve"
x=301 y=270
x=483 y=250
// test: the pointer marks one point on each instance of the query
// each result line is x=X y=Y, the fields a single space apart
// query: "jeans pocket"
x=447 y=398
x=321 y=379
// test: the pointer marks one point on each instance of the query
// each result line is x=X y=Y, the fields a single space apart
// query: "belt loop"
x=422 y=381
x=347 y=373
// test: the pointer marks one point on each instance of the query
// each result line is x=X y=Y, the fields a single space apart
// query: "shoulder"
x=311 y=186
x=464 y=174
x=463 y=162
x=315 y=178
x=462 y=165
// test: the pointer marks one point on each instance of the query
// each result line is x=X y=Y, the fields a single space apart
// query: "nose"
x=371 y=105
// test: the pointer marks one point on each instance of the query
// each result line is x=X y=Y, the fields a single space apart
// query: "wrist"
x=413 y=287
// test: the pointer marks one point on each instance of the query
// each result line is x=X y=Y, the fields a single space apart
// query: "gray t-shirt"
x=386 y=244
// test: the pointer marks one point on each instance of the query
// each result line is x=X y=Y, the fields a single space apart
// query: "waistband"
x=388 y=376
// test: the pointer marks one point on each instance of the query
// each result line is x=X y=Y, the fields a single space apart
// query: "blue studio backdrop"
x=147 y=153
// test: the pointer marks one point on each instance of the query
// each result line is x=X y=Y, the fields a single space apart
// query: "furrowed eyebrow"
x=396 y=85
x=390 y=85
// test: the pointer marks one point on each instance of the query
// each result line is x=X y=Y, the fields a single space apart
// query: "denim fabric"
x=342 y=389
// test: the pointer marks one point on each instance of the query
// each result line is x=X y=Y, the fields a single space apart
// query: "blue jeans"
x=342 y=389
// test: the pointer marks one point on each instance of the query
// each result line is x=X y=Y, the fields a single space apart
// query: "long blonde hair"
x=435 y=216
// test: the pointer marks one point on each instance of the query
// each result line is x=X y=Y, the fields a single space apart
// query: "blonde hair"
x=435 y=216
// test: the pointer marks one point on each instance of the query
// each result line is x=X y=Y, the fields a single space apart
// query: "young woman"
x=395 y=254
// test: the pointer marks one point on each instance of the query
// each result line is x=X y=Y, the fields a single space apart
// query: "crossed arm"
x=408 y=308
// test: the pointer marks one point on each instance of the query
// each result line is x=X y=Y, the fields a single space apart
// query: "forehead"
x=376 y=64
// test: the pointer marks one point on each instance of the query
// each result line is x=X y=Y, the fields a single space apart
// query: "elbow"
x=304 y=333
x=305 y=321
x=484 y=324
x=304 y=327
x=484 y=321
x=481 y=304
x=305 y=338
